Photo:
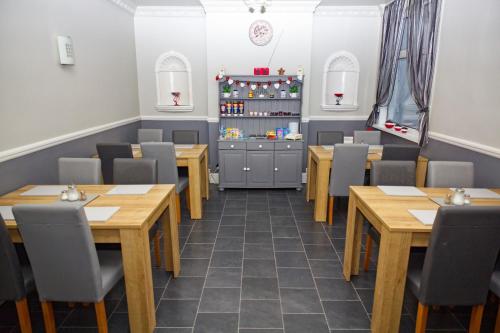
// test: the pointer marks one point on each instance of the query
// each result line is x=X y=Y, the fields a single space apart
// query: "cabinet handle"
x=248 y=169
x=288 y=146
x=275 y=169
x=244 y=169
x=232 y=146
x=260 y=146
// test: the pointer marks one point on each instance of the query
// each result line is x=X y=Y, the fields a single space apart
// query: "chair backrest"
x=61 y=251
x=393 y=152
x=368 y=137
x=11 y=279
x=330 y=138
x=450 y=174
x=348 y=168
x=461 y=256
x=84 y=171
x=393 y=173
x=185 y=137
x=495 y=279
x=107 y=153
x=149 y=135
x=135 y=171
x=164 y=153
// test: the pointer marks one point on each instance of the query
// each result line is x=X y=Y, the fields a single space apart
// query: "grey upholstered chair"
x=397 y=152
x=185 y=137
x=348 y=169
x=164 y=153
x=131 y=171
x=389 y=173
x=149 y=135
x=134 y=171
x=65 y=263
x=107 y=153
x=368 y=137
x=16 y=280
x=450 y=174
x=459 y=262
x=83 y=171
x=495 y=288
x=329 y=138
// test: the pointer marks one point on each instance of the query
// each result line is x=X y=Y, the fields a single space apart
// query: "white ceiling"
x=197 y=3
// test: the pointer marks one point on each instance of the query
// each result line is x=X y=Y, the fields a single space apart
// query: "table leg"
x=311 y=177
x=390 y=283
x=421 y=171
x=195 y=188
x=354 y=233
x=322 y=180
x=171 y=238
x=138 y=279
x=205 y=181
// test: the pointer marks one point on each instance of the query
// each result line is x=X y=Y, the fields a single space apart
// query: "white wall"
x=466 y=99
x=157 y=35
x=39 y=98
x=352 y=29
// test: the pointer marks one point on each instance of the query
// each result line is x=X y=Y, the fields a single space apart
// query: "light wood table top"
x=183 y=153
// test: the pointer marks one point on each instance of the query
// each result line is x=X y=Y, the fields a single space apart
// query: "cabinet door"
x=288 y=168
x=232 y=164
x=260 y=168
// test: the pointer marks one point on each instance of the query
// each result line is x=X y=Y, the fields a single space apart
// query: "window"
x=173 y=83
x=341 y=75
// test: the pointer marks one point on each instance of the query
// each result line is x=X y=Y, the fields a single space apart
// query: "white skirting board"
x=214 y=178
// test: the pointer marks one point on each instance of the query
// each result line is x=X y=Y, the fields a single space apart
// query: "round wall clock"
x=260 y=32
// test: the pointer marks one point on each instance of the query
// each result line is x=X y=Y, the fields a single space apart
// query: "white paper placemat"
x=130 y=189
x=44 y=190
x=405 y=191
x=327 y=147
x=100 y=214
x=427 y=217
x=374 y=148
x=6 y=212
x=136 y=145
x=184 y=146
x=178 y=153
x=482 y=193
x=348 y=139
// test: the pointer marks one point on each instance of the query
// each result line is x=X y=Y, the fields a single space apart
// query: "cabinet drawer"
x=260 y=145
x=288 y=145
x=226 y=145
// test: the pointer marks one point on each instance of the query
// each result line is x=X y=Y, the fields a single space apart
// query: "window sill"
x=333 y=107
x=411 y=135
x=173 y=108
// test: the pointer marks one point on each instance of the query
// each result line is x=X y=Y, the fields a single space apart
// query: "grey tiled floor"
x=257 y=263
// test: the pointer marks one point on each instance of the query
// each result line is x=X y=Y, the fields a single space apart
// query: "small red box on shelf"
x=261 y=71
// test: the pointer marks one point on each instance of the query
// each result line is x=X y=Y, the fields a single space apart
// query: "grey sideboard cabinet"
x=260 y=164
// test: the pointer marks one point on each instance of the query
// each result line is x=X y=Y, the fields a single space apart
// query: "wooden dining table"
x=319 y=163
x=400 y=231
x=129 y=227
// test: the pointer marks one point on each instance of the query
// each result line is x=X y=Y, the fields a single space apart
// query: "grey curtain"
x=423 y=17
x=392 y=35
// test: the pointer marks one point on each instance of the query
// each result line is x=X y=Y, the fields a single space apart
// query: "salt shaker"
x=64 y=195
x=73 y=194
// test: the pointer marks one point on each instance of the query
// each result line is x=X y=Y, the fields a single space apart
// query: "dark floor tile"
x=260 y=288
x=173 y=330
x=206 y=226
x=300 y=301
x=285 y=232
x=366 y=296
x=226 y=259
x=261 y=330
x=291 y=259
x=320 y=252
x=160 y=277
x=200 y=251
x=280 y=211
x=232 y=220
x=336 y=232
x=335 y=290
x=231 y=231
x=234 y=211
x=258 y=217
x=184 y=288
x=288 y=244
x=223 y=278
x=295 y=278
x=262 y=227
x=315 y=238
x=259 y=268
x=185 y=230
x=239 y=204
x=259 y=251
x=255 y=237
x=326 y=269
x=339 y=244
x=229 y=244
x=202 y=237
x=220 y=300
x=176 y=313
x=260 y=314
x=301 y=323
x=216 y=323
x=364 y=280
x=257 y=207
x=311 y=227
x=85 y=316
x=282 y=221
x=346 y=315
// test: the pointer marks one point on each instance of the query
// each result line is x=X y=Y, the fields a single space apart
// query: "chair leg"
x=475 y=318
x=156 y=246
x=23 y=315
x=48 y=317
x=368 y=253
x=178 y=207
x=330 y=210
x=497 y=324
x=188 y=198
x=422 y=313
x=100 y=312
